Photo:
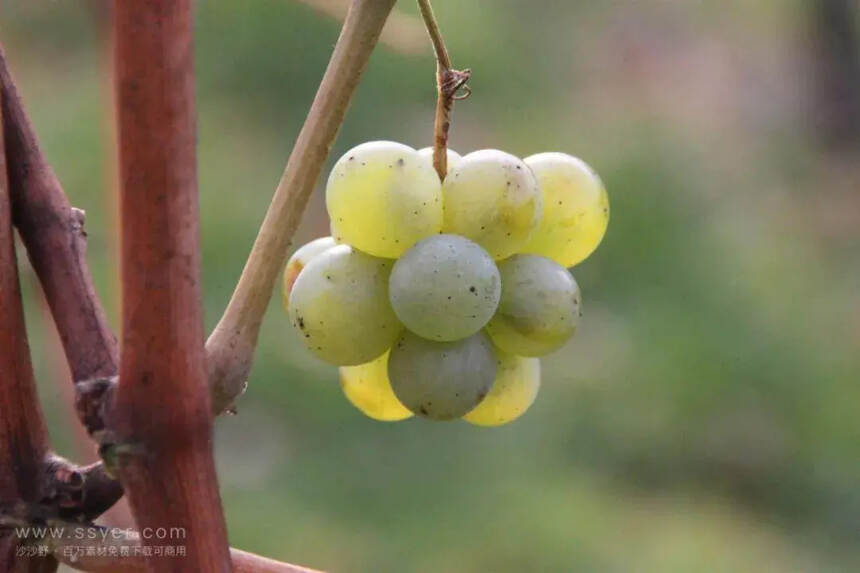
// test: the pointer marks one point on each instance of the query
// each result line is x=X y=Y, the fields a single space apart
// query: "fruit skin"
x=492 y=198
x=576 y=209
x=453 y=157
x=445 y=288
x=383 y=197
x=539 y=309
x=514 y=391
x=367 y=387
x=441 y=380
x=340 y=305
x=297 y=262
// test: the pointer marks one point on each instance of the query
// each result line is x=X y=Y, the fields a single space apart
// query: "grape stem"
x=449 y=82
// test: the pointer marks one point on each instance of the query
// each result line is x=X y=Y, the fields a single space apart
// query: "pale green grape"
x=382 y=198
x=297 y=262
x=340 y=305
x=539 y=308
x=453 y=157
x=367 y=387
x=441 y=380
x=445 y=288
x=492 y=198
x=514 y=390
x=576 y=209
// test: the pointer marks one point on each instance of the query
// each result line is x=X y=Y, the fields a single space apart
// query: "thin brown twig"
x=442 y=57
x=449 y=82
x=230 y=348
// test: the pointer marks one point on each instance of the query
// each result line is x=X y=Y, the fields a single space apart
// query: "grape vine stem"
x=449 y=83
x=231 y=345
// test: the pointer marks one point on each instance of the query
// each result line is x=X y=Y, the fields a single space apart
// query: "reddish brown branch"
x=53 y=232
x=23 y=437
x=160 y=416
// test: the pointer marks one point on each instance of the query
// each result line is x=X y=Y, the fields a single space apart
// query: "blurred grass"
x=705 y=416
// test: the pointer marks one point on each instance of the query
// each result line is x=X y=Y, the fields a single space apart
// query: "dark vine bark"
x=23 y=436
x=53 y=232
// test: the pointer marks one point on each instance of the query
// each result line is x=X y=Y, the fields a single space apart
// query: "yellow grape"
x=367 y=387
x=297 y=262
x=514 y=391
x=383 y=197
x=340 y=305
x=576 y=209
x=492 y=198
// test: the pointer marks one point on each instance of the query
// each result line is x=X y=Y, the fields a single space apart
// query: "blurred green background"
x=707 y=415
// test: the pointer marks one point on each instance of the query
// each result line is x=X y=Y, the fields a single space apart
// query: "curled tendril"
x=467 y=91
x=454 y=81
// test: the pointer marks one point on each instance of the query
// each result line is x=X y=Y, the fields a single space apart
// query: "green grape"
x=445 y=288
x=340 y=304
x=300 y=258
x=453 y=157
x=514 y=391
x=539 y=309
x=367 y=387
x=576 y=209
x=441 y=380
x=492 y=198
x=382 y=198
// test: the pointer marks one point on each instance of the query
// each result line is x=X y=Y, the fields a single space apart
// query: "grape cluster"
x=436 y=298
